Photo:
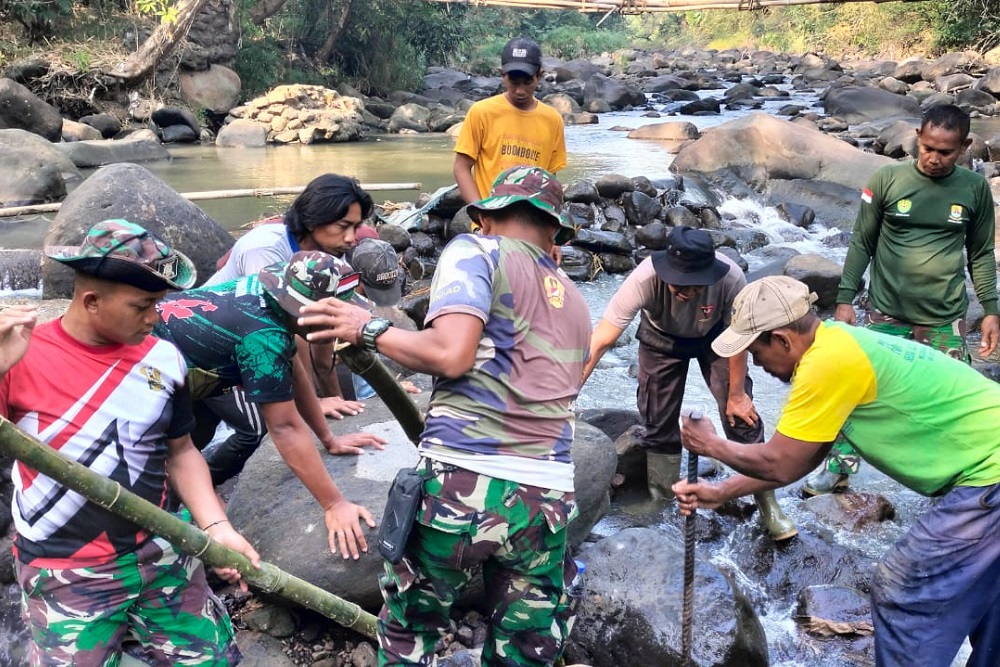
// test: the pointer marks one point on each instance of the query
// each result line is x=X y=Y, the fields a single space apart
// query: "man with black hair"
x=506 y=336
x=96 y=387
x=509 y=129
x=326 y=216
x=920 y=224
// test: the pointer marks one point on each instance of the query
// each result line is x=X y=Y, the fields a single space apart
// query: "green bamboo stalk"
x=367 y=364
x=186 y=538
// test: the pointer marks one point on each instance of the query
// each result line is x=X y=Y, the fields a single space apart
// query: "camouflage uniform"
x=153 y=595
x=499 y=492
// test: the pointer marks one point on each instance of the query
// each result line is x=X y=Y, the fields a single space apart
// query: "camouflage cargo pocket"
x=455 y=523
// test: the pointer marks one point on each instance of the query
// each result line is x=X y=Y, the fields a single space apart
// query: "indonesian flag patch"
x=866 y=196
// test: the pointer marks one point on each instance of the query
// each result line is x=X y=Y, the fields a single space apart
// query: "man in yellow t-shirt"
x=923 y=418
x=511 y=129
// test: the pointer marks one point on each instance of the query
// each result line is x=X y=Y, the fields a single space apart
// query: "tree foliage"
x=39 y=18
x=385 y=44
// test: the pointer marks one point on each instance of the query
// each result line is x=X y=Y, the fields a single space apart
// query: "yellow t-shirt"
x=497 y=135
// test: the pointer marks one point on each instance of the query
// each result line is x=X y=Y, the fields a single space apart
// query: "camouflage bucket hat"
x=124 y=252
x=533 y=185
x=307 y=277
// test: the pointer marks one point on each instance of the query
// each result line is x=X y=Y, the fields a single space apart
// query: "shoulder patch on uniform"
x=555 y=291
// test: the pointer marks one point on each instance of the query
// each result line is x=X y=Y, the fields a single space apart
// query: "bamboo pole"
x=366 y=364
x=215 y=194
x=185 y=537
x=642 y=6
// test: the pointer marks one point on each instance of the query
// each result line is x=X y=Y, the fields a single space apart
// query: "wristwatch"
x=375 y=327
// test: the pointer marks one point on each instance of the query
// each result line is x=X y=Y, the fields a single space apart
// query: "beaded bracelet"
x=215 y=523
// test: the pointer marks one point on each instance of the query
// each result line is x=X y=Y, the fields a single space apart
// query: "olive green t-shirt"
x=916 y=232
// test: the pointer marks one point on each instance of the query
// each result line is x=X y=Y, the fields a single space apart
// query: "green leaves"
x=164 y=9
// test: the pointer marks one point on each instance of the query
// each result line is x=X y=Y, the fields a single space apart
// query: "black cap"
x=521 y=55
x=378 y=265
x=689 y=259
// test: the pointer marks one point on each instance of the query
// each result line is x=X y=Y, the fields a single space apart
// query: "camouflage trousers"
x=948 y=338
x=152 y=596
x=517 y=535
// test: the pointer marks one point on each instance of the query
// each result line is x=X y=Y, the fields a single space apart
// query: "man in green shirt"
x=917 y=223
x=924 y=419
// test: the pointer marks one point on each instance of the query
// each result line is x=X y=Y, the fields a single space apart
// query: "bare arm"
x=447 y=348
x=462 y=170
x=295 y=444
x=739 y=404
x=604 y=336
x=781 y=460
x=189 y=476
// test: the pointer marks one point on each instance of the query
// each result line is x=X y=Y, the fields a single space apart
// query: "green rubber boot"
x=771 y=516
x=825 y=482
x=662 y=470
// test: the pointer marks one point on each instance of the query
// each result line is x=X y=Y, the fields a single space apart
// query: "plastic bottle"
x=578 y=586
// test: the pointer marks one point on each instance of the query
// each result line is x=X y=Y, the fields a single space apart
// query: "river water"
x=593 y=150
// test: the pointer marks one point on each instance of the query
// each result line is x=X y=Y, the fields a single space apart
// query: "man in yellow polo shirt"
x=923 y=418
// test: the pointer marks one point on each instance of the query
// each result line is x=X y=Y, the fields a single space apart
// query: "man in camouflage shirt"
x=242 y=334
x=506 y=336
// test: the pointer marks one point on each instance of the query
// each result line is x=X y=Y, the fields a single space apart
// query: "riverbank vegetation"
x=382 y=46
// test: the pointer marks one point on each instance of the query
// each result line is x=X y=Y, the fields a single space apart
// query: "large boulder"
x=785 y=161
x=74 y=131
x=34 y=170
x=141 y=146
x=672 y=130
x=281 y=519
x=616 y=94
x=22 y=109
x=104 y=123
x=242 y=133
x=631 y=612
x=216 y=89
x=858 y=105
x=132 y=192
x=410 y=117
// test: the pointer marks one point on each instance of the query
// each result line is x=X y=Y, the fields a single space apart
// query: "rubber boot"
x=771 y=516
x=662 y=470
x=825 y=482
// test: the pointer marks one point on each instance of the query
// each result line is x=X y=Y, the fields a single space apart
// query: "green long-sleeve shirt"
x=914 y=229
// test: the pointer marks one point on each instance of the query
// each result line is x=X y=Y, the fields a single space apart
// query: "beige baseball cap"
x=764 y=305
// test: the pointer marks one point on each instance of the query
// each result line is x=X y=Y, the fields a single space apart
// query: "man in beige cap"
x=923 y=418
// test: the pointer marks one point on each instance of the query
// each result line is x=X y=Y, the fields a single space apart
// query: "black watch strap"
x=372 y=330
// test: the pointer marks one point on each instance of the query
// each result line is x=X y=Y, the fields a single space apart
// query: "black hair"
x=324 y=201
x=947 y=117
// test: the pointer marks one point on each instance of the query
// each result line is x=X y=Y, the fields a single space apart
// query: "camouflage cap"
x=122 y=251
x=307 y=277
x=533 y=185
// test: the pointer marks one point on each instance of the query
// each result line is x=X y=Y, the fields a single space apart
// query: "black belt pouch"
x=405 y=494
